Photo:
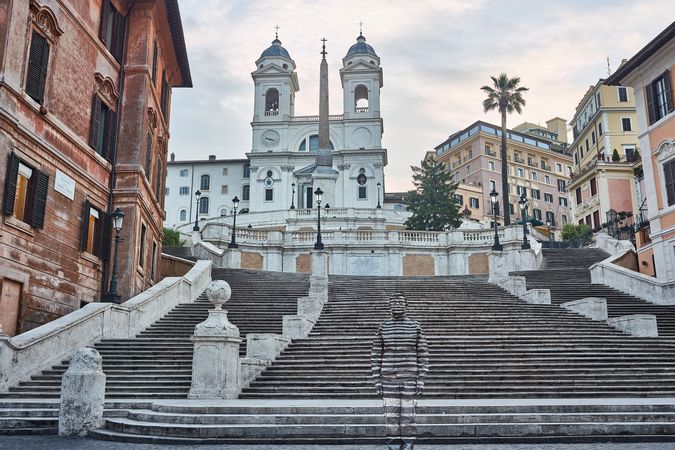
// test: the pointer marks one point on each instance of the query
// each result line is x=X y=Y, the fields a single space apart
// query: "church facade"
x=284 y=149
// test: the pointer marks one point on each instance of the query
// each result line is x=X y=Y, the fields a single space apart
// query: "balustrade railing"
x=272 y=113
x=362 y=110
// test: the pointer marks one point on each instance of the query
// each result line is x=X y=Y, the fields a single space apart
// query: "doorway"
x=10 y=304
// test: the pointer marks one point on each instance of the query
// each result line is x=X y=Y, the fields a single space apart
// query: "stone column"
x=82 y=394
x=318 y=280
x=215 y=362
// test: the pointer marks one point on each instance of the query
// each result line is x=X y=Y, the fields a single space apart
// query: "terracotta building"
x=650 y=72
x=539 y=167
x=85 y=94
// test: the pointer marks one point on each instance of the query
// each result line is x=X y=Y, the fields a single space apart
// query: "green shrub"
x=172 y=238
x=615 y=156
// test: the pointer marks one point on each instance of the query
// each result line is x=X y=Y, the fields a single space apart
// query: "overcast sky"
x=435 y=57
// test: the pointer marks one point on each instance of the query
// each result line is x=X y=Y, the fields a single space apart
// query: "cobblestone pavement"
x=58 y=443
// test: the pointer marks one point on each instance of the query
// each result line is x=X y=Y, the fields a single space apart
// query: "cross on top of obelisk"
x=323 y=51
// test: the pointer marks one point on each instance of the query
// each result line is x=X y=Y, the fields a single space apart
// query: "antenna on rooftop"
x=609 y=71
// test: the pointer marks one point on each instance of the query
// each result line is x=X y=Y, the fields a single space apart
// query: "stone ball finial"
x=218 y=292
x=85 y=360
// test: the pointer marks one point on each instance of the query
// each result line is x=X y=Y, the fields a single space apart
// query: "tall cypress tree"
x=432 y=202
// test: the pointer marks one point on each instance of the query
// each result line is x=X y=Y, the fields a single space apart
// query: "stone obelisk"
x=324 y=175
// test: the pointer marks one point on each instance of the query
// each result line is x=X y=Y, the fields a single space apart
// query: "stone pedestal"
x=641 y=325
x=196 y=237
x=215 y=362
x=297 y=327
x=249 y=369
x=309 y=307
x=265 y=346
x=82 y=394
x=232 y=258
x=595 y=308
x=318 y=280
x=498 y=262
x=516 y=285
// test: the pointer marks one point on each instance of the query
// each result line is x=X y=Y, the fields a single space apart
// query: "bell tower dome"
x=361 y=77
x=275 y=84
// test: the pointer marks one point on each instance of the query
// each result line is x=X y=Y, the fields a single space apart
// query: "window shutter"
x=85 y=224
x=154 y=63
x=37 y=67
x=104 y=29
x=103 y=245
x=10 y=184
x=118 y=35
x=651 y=106
x=668 y=91
x=110 y=135
x=40 y=199
x=95 y=121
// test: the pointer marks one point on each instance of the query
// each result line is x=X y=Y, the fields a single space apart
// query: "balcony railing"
x=361 y=110
x=518 y=159
x=272 y=113
x=492 y=153
x=531 y=163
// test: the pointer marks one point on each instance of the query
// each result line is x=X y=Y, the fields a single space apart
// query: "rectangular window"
x=576 y=158
x=548 y=198
x=224 y=170
x=154 y=62
x=596 y=219
x=141 y=247
x=669 y=178
x=493 y=185
x=184 y=190
x=599 y=128
x=148 y=156
x=96 y=231
x=459 y=199
x=102 y=129
x=550 y=218
x=558 y=167
x=588 y=148
x=269 y=195
x=597 y=99
x=522 y=191
x=111 y=30
x=625 y=124
x=473 y=201
x=362 y=192
x=536 y=213
x=535 y=194
x=594 y=187
x=204 y=205
x=561 y=186
x=245 y=192
x=166 y=191
x=520 y=172
x=247 y=171
x=623 y=94
x=36 y=73
x=223 y=189
x=562 y=201
x=26 y=189
x=659 y=97
x=564 y=219
x=183 y=172
x=164 y=98
x=547 y=179
x=159 y=176
x=578 y=195
x=491 y=165
x=592 y=137
x=533 y=176
x=153 y=263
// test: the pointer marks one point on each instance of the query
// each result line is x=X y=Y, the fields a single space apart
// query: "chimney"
x=173 y=156
x=212 y=157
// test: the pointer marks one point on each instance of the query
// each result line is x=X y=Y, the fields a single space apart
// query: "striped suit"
x=399 y=361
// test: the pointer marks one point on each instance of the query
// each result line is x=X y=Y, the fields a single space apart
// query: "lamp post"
x=379 y=206
x=112 y=296
x=198 y=194
x=318 y=245
x=493 y=198
x=293 y=196
x=523 y=215
x=235 y=204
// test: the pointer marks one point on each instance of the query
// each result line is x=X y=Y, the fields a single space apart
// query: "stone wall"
x=251 y=260
x=478 y=263
x=303 y=263
x=175 y=267
x=416 y=265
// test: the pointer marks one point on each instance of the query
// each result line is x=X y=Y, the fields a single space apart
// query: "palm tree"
x=506 y=96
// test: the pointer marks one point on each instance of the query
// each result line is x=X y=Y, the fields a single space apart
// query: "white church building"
x=283 y=157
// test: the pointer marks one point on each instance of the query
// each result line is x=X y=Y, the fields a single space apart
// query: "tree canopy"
x=432 y=202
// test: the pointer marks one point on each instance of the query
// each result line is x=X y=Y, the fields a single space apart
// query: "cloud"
x=435 y=56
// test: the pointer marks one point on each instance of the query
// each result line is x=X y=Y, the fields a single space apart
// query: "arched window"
x=223 y=211
x=245 y=192
x=204 y=205
x=205 y=184
x=247 y=171
x=271 y=102
x=183 y=215
x=313 y=144
x=361 y=99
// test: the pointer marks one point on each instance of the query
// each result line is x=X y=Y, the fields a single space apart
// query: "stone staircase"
x=565 y=273
x=157 y=364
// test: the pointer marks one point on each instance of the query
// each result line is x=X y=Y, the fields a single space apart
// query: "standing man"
x=400 y=361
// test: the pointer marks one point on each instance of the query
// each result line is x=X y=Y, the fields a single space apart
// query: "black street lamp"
x=233 y=243
x=112 y=296
x=378 y=195
x=318 y=245
x=293 y=196
x=493 y=198
x=523 y=216
x=198 y=194
x=550 y=233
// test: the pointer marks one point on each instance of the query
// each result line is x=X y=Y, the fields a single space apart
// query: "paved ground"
x=57 y=443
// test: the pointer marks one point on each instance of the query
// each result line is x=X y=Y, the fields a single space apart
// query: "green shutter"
x=10 y=184
x=668 y=91
x=39 y=198
x=105 y=235
x=110 y=135
x=651 y=106
x=36 y=74
x=85 y=224
x=95 y=122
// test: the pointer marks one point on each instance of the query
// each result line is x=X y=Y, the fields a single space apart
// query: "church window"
x=361 y=178
x=269 y=195
x=183 y=215
x=245 y=192
x=362 y=192
x=184 y=190
x=223 y=211
x=247 y=171
x=272 y=102
x=361 y=99
x=313 y=144
x=204 y=205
